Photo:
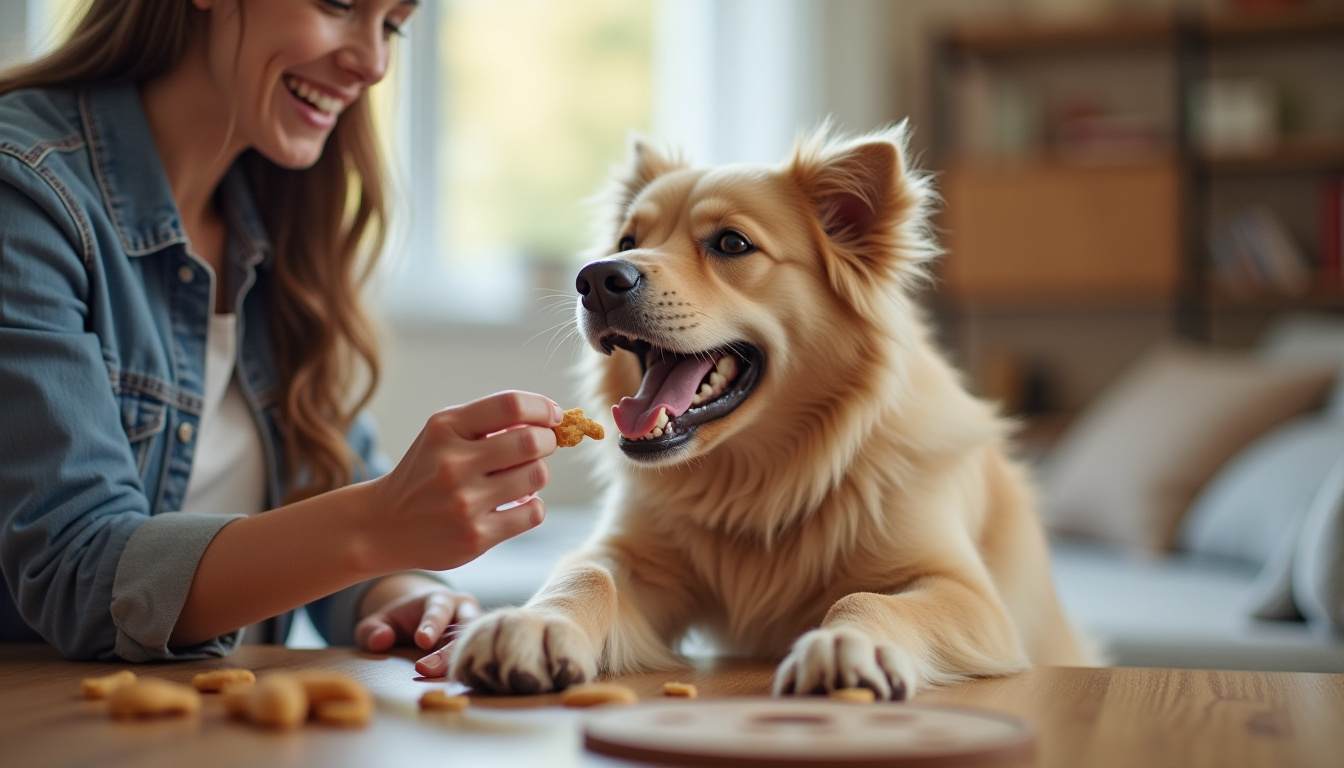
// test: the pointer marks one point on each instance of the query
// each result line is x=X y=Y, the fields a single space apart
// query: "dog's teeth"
x=662 y=419
x=657 y=432
x=705 y=390
x=717 y=381
x=727 y=365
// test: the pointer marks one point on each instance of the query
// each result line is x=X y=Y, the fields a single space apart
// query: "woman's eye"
x=627 y=244
x=338 y=5
x=732 y=243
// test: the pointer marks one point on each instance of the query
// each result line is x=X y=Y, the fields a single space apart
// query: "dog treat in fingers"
x=571 y=431
x=855 y=695
x=153 y=697
x=682 y=690
x=598 y=694
x=100 y=687
x=217 y=680
x=439 y=701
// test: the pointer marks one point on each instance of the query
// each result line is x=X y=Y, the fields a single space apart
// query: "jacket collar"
x=135 y=187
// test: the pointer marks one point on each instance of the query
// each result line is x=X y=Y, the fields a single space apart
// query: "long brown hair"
x=326 y=223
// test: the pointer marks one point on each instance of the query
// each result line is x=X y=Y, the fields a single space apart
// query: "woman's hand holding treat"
x=438 y=508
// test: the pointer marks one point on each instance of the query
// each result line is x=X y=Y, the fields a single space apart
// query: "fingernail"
x=557 y=412
x=433 y=665
x=467 y=611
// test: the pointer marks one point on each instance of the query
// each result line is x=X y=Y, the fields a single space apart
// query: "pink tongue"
x=670 y=382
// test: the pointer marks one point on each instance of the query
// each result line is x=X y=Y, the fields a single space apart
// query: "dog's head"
x=741 y=297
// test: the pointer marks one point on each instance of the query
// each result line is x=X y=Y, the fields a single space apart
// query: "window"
x=512 y=113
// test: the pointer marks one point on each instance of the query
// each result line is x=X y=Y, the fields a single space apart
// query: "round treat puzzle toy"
x=807 y=732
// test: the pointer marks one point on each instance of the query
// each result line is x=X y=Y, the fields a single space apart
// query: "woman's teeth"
x=321 y=101
x=725 y=370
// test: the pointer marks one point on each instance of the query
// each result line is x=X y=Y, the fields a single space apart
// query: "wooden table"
x=1083 y=717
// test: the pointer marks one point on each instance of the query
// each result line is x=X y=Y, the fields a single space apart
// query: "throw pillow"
x=1133 y=462
x=1254 y=500
x=1318 y=569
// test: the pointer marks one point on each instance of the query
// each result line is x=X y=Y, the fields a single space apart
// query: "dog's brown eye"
x=731 y=243
x=627 y=244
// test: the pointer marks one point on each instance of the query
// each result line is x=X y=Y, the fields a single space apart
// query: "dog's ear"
x=643 y=164
x=871 y=208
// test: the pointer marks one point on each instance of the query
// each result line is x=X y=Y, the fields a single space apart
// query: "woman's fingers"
x=516 y=483
x=514 y=447
x=437 y=612
x=503 y=410
x=374 y=633
x=503 y=524
x=435 y=664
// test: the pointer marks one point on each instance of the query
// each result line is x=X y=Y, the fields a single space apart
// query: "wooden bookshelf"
x=1038 y=236
x=1273 y=26
x=1006 y=38
x=1290 y=154
x=1000 y=262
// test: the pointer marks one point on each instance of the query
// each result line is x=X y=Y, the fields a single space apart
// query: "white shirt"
x=228 y=474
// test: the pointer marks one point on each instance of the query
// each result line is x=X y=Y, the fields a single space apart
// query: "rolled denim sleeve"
x=335 y=616
x=86 y=565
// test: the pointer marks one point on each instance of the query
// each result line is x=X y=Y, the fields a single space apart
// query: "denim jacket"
x=103 y=318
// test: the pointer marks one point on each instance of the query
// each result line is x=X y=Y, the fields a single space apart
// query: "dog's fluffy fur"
x=856 y=516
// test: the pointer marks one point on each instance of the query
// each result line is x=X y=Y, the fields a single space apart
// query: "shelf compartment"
x=1062 y=233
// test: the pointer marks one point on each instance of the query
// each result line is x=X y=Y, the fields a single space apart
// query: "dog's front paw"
x=519 y=651
x=824 y=660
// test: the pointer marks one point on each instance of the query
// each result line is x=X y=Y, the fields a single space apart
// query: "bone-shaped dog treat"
x=101 y=687
x=153 y=697
x=217 y=680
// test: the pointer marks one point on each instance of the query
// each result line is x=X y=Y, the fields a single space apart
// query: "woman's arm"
x=437 y=509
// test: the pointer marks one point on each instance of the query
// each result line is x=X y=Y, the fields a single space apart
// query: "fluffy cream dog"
x=802 y=476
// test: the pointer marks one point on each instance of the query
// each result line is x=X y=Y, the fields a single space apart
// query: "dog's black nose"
x=605 y=285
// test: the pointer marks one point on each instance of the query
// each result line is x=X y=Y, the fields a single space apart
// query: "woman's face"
x=299 y=64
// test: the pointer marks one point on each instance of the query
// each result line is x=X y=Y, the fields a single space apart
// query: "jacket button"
x=186 y=274
x=185 y=432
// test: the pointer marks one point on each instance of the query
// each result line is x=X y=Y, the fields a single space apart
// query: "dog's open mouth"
x=681 y=391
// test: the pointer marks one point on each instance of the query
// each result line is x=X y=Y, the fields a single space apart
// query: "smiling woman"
x=191 y=196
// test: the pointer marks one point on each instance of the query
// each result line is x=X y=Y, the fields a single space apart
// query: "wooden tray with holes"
x=807 y=732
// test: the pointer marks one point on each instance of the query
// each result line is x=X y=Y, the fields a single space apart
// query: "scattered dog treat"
x=100 y=687
x=440 y=701
x=285 y=700
x=276 y=701
x=217 y=680
x=571 y=431
x=344 y=713
x=856 y=695
x=682 y=690
x=237 y=700
x=332 y=686
x=151 y=698
x=598 y=694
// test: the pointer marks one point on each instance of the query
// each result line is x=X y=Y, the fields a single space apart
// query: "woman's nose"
x=365 y=55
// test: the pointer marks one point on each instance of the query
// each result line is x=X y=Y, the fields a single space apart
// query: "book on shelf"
x=1253 y=254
